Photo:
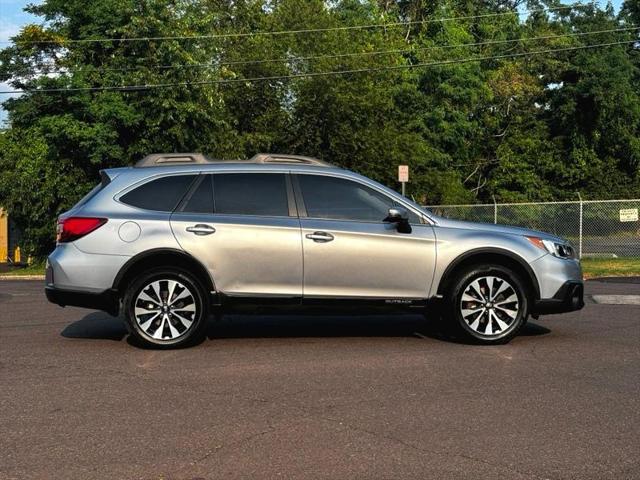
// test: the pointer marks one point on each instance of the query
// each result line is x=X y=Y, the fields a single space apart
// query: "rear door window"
x=263 y=194
x=162 y=194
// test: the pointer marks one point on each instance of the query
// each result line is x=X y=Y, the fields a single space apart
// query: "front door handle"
x=201 y=229
x=320 y=237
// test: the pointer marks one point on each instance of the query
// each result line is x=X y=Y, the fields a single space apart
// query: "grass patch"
x=34 y=269
x=611 y=267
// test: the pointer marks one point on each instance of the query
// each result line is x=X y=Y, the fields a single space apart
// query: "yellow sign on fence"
x=629 y=215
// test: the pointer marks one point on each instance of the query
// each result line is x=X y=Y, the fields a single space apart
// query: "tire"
x=166 y=308
x=489 y=304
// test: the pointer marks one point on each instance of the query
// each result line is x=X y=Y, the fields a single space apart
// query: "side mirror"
x=400 y=217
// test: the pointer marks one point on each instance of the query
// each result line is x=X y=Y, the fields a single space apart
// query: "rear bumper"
x=72 y=269
x=568 y=298
x=106 y=300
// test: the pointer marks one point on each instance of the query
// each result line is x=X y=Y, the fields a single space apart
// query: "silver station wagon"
x=180 y=236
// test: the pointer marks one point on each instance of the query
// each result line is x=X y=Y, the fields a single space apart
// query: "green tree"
x=535 y=127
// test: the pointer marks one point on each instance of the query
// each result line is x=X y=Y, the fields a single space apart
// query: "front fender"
x=455 y=245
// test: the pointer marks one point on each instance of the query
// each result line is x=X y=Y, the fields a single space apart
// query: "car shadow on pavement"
x=292 y=326
x=96 y=325
x=533 y=329
x=99 y=325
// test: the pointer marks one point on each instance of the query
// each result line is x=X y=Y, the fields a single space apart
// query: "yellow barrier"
x=4 y=236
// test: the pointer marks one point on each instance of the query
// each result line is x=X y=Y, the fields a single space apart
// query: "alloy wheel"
x=489 y=305
x=165 y=309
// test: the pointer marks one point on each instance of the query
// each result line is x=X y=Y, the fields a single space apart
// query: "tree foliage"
x=517 y=128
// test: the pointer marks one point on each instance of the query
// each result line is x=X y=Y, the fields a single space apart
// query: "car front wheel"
x=166 y=308
x=489 y=304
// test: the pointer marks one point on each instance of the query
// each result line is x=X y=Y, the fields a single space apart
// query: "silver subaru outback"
x=181 y=236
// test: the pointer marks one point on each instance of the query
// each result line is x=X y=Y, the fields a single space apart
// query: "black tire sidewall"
x=196 y=331
x=455 y=315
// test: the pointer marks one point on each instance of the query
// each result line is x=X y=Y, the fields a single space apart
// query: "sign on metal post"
x=403 y=175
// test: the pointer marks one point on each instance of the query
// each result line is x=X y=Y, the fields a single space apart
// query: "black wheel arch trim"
x=494 y=251
x=160 y=251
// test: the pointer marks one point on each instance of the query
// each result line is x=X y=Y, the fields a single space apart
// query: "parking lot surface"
x=318 y=397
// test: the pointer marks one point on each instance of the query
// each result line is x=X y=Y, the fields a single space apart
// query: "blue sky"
x=13 y=18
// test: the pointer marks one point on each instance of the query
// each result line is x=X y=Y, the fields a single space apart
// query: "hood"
x=490 y=227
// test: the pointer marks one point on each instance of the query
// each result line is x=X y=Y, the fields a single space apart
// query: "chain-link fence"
x=595 y=227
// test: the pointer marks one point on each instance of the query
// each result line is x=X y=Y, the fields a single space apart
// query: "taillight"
x=73 y=228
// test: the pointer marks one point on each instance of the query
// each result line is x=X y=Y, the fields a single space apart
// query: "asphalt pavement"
x=318 y=397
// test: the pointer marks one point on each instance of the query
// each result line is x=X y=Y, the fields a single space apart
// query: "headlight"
x=560 y=250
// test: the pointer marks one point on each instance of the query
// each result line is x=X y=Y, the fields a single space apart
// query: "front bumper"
x=106 y=300
x=568 y=298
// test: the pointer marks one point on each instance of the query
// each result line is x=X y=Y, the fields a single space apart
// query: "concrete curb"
x=617 y=299
x=21 y=277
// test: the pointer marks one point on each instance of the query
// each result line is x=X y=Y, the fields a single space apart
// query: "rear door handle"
x=201 y=229
x=320 y=237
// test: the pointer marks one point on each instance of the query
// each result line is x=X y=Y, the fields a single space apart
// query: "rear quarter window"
x=162 y=194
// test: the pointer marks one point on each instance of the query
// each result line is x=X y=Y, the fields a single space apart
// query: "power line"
x=295 y=32
x=313 y=74
x=344 y=55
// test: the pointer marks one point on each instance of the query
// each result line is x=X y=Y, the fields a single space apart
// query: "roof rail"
x=291 y=159
x=169 y=159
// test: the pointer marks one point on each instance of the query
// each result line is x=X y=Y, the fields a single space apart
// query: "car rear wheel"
x=489 y=304
x=166 y=308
